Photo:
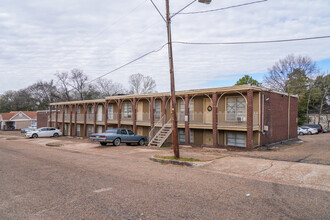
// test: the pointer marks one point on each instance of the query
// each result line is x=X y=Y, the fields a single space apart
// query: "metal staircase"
x=160 y=137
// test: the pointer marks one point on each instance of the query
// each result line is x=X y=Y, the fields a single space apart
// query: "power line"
x=136 y=59
x=220 y=9
x=251 y=42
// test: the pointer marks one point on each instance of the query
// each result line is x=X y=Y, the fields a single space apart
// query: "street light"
x=173 y=97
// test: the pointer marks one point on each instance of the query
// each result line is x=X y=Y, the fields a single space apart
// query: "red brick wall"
x=276 y=117
x=42 y=119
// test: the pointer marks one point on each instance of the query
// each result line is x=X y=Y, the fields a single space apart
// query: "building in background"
x=238 y=116
x=15 y=120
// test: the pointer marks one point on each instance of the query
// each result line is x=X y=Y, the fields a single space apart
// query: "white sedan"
x=310 y=130
x=44 y=132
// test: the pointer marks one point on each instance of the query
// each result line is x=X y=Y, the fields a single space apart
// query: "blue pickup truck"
x=118 y=136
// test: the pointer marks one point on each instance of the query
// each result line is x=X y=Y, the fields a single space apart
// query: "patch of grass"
x=180 y=159
x=11 y=138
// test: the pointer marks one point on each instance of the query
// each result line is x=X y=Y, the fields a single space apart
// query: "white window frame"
x=237 y=139
x=237 y=114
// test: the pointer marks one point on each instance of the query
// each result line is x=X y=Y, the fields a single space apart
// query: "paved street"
x=93 y=182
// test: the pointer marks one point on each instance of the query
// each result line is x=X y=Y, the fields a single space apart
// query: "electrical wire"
x=251 y=42
x=132 y=61
x=220 y=9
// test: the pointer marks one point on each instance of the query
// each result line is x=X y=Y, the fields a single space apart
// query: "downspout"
x=263 y=113
x=289 y=116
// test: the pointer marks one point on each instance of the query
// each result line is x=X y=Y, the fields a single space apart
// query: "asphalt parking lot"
x=84 y=180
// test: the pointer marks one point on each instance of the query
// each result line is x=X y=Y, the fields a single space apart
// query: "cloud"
x=39 y=38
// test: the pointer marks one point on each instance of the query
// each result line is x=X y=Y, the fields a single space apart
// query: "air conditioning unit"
x=240 y=118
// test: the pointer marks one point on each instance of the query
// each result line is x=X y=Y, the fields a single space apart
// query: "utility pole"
x=173 y=97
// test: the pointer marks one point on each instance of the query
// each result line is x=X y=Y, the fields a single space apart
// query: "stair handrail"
x=160 y=130
x=159 y=123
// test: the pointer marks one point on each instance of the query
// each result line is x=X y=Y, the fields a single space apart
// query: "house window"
x=235 y=109
x=191 y=136
x=236 y=139
x=127 y=110
x=157 y=105
x=78 y=110
x=33 y=123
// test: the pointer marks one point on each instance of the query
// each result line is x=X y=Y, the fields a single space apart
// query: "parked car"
x=310 y=130
x=317 y=126
x=302 y=131
x=43 y=132
x=324 y=130
x=117 y=136
x=24 y=130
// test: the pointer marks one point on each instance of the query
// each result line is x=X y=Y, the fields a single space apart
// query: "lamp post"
x=173 y=97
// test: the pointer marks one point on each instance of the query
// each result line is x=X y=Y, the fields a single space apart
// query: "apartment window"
x=235 y=109
x=127 y=110
x=78 y=110
x=90 y=129
x=236 y=139
x=110 y=112
x=157 y=105
x=182 y=136
x=182 y=110
x=90 y=109
x=78 y=130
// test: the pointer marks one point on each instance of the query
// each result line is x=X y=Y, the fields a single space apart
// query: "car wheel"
x=301 y=133
x=116 y=142
x=56 y=135
x=103 y=143
x=141 y=142
x=309 y=133
x=34 y=135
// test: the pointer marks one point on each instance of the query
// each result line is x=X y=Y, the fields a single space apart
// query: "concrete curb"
x=181 y=163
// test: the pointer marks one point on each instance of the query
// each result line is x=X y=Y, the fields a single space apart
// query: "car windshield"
x=112 y=131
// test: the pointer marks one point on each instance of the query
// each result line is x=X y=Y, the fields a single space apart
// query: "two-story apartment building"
x=241 y=116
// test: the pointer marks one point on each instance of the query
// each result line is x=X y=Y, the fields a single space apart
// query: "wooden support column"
x=71 y=120
x=215 y=119
x=106 y=115
x=63 y=119
x=249 y=120
x=50 y=116
x=119 y=112
x=95 y=116
x=164 y=109
x=56 y=117
x=186 y=122
x=85 y=121
x=152 y=100
x=134 y=115
x=75 y=119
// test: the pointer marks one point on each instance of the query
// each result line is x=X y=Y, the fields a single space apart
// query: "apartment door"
x=99 y=113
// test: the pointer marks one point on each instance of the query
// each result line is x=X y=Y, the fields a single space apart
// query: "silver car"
x=43 y=132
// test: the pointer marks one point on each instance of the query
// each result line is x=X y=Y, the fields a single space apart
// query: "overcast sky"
x=40 y=37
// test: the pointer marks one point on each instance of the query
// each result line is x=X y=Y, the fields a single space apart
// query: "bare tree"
x=107 y=87
x=277 y=77
x=78 y=81
x=64 y=84
x=140 y=84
